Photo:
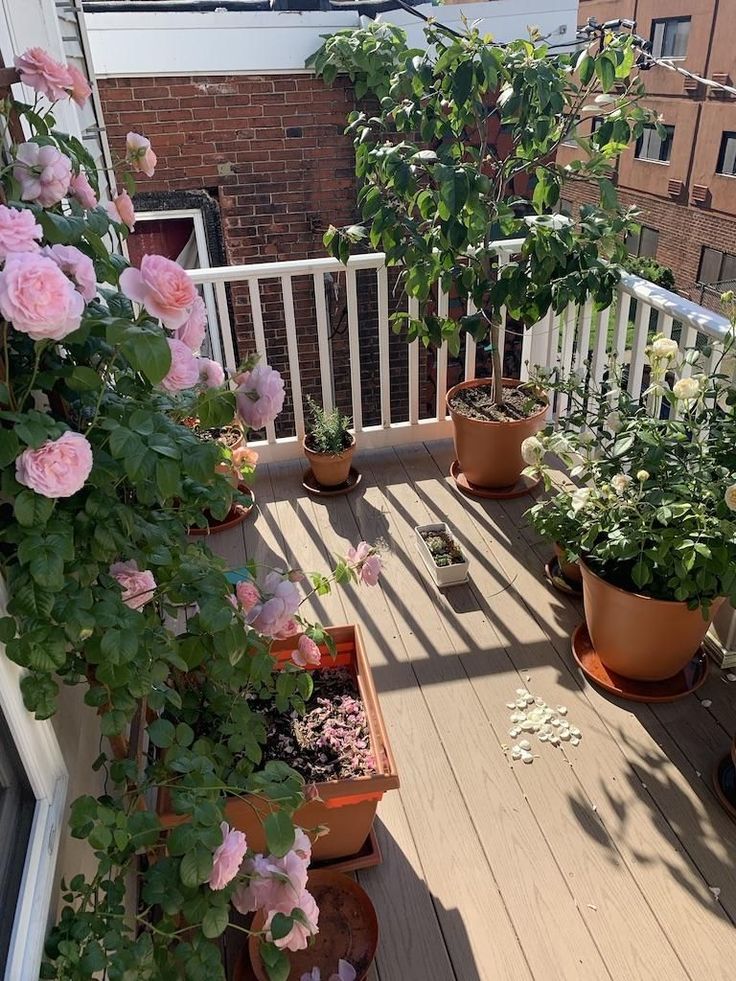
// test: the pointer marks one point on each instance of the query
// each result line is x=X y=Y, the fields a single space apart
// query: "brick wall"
x=271 y=151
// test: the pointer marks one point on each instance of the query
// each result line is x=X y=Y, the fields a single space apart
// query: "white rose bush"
x=654 y=511
x=99 y=483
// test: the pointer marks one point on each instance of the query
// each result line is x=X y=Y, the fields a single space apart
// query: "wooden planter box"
x=346 y=807
x=443 y=575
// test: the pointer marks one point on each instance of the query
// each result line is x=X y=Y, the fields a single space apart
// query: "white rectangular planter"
x=443 y=575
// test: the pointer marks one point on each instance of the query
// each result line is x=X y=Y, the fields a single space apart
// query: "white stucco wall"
x=222 y=42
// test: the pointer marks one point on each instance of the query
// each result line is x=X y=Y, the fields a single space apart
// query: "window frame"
x=723 y=257
x=664 y=21
x=727 y=136
x=47 y=774
x=643 y=229
x=670 y=142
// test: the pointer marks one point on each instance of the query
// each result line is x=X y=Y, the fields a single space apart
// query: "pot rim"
x=328 y=456
x=481 y=383
x=649 y=599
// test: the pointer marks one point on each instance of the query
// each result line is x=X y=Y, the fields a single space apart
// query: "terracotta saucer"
x=556 y=578
x=688 y=680
x=348 y=929
x=724 y=784
x=309 y=482
x=237 y=514
x=367 y=858
x=524 y=485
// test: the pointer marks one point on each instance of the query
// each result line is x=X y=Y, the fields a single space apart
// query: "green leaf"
x=275 y=961
x=84 y=379
x=196 y=866
x=281 y=926
x=279 y=833
x=215 y=921
x=161 y=732
x=8 y=629
x=32 y=510
x=9 y=446
x=605 y=69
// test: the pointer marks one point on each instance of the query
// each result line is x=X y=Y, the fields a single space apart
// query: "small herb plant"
x=443 y=548
x=329 y=432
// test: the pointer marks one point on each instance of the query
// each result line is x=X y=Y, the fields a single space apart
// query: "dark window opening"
x=653 y=146
x=716 y=266
x=643 y=243
x=670 y=36
x=727 y=155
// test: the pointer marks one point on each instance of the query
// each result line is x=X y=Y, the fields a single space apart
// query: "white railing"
x=565 y=339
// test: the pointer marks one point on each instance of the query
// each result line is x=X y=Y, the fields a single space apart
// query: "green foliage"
x=438 y=186
x=656 y=508
x=328 y=432
x=650 y=270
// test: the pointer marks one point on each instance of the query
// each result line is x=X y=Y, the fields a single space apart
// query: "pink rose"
x=302 y=844
x=39 y=71
x=273 y=883
x=228 y=857
x=43 y=172
x=80 y=90
x=280 y=601
x=298 y=937
x=81 y=189
x=192 y=330
x=37 y=298
x=59 y=468
x=77 y=266
x=121 y=210
x=211 y=373
x=306 y=653
x=139 y=154
x=18 y=231
x=162 y=287
x=260 y=396
x=138 y=585
x=365 y=562
x=289 y=628
x=248 y=595
x=184 y=370
x=245 y=458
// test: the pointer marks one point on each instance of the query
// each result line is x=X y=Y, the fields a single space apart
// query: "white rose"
x=665 y=348
x=686 y=389
x=613 y=422
x=620 y=483
x=579 y=499
x=642 y=476
x=532 y=451
x=730 y=497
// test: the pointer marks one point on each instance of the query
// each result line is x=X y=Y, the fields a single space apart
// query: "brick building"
x=684 y=186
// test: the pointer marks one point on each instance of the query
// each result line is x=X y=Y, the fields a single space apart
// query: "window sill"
x=647 y=160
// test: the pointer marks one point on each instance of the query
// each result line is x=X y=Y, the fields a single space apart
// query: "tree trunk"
x=497 y=365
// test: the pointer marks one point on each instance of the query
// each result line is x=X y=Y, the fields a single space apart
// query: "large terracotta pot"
x=638 y=637
x=347 y=807
x=490 y=452
x=330 y=470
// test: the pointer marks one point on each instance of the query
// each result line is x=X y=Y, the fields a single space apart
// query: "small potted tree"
x=329 y=445
x=460 y=153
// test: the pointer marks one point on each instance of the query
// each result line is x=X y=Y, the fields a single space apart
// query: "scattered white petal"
x=706 y=703
x=564 y=734
x=562 y=709
x=698 y=773
x=644 y=786
x=510 y=705
x=575 y=741
x=595 y=808
x=592 y=906
x=515 y=753
x=527 y=758
x=525 y=744
x=716 y=891
x=730 y=677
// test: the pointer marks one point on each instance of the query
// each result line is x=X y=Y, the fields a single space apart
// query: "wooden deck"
x=612 y=860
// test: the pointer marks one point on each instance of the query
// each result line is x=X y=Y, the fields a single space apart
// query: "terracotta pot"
x=490 y=452
x=638 y=637
x=330 y=469
x=570 y=570
x=346 y=807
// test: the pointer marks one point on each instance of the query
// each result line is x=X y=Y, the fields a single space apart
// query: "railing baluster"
x=664 y=325
x=259 y=336
x=569 y=324
x=598 y=367
x=414 y=367
x=384 y=366
x=583 y=341
x=688 y=338
x=470 y=345
x=534 y=345
x=323 y=342
x=622 y=325
x=354 y=341
x=292 y=348
x=443 y=306
x=227 y=352
x=639 y=343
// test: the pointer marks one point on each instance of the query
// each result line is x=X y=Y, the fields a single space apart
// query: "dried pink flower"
x=138 y=585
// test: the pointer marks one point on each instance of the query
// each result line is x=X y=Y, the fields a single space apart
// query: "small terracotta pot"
x=570 y=570
x=490 y=452
x=639 y=637
x=330 y=469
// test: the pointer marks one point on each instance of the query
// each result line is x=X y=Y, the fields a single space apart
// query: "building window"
x=716 y=266
x=572 y=137
x=566 y=207
x=670 y=36
x=727 y=156
x=652 y=146
x=643 y=242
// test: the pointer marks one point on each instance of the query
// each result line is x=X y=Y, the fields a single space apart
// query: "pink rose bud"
x=80 y=90
x=58 y=468
x=228 y=857
x=121 y=210
x=81 y=189
x=139 y=154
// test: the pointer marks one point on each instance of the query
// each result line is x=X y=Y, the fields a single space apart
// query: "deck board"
x=592 y=864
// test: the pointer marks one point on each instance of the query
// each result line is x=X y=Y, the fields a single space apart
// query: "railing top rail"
x=688 y=313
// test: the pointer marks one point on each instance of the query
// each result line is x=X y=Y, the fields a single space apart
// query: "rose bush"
x=99 y=482
x=654 y=512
